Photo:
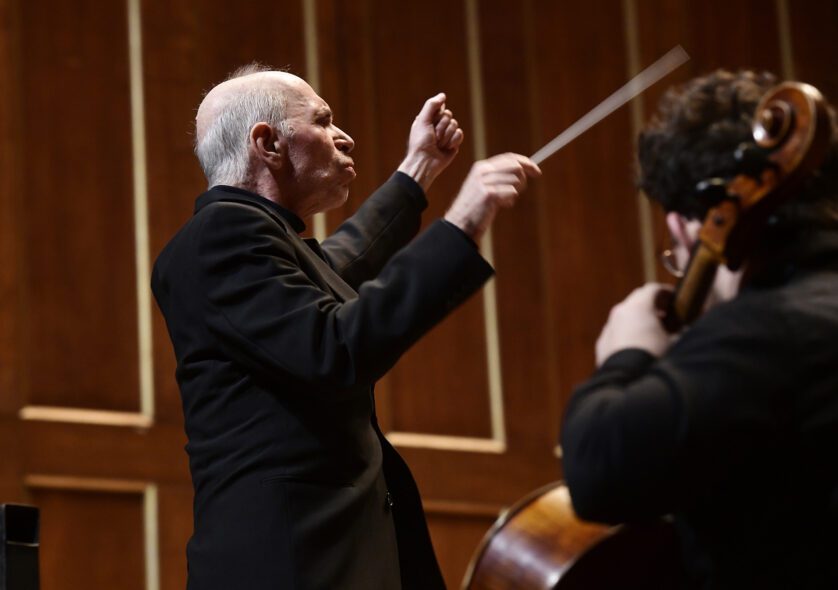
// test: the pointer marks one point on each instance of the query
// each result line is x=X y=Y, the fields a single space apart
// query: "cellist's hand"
x=635 y=323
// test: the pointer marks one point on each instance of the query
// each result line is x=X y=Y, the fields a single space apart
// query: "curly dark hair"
x=695 y=134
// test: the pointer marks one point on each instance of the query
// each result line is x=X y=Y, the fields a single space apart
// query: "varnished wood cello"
x=539 y=543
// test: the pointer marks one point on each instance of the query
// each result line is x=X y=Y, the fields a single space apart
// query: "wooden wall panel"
x=347 y=82
x=90 y=540
x=188 y=48
x=814 y=45
x=390 y=73
x=455 y=538
x=175 y=530
x=716 y=34
x=79 y=336
x=564 y=255
x=94 y=451
x=529 y=360
x=468 y=476
x=734 y=35
x=11 y=468
x=587 y=207
x=10 y=181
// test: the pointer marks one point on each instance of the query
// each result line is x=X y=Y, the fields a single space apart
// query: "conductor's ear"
x=266 y=144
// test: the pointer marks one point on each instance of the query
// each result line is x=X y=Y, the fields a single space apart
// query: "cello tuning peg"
x=712 y=191
x=752 y=159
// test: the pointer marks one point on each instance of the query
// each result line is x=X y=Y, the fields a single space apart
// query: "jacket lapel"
x=314 y=254
x=307 y=248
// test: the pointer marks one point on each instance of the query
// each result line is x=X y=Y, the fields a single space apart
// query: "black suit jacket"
x=278 y=344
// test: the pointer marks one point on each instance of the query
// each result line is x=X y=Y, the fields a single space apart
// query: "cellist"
x=731 y=424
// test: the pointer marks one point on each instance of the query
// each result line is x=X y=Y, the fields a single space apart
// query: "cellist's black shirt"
x=734 y=431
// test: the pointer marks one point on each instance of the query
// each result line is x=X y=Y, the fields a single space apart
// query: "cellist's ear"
x=684 y=231
x=684 y=234
x=266 y=145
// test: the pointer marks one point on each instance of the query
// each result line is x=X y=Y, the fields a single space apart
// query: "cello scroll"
x=791 y=134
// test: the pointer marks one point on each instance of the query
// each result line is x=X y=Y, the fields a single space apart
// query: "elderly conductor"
x=279 y=339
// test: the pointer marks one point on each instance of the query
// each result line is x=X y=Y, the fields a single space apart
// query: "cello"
x=539 y=543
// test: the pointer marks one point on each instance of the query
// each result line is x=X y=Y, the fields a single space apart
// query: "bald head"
x=227 y=114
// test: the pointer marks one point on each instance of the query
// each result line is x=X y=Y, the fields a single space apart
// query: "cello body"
x=540 y=544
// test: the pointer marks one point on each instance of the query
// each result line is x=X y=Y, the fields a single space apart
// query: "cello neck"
x=692 y=291
x=687 y=303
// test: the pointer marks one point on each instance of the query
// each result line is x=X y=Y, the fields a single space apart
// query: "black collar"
x=223 y=192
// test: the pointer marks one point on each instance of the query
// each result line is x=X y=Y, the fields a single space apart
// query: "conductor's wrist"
x=419 y=168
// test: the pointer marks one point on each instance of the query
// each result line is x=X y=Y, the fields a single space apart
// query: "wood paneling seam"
x=784 y=30
x=85 y=416
x=313 y=78
x=443 y=442
x=463 y=509
x=151 y=529
x=141 y=229
x=644 y=210
x=84 y=484
x=490 y=311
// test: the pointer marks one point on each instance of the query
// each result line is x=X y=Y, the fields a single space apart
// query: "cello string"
x=671 y=60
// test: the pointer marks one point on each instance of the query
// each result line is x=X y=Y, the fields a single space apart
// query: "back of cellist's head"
x=694 y=136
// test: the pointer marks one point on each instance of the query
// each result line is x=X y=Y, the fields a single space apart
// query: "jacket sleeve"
x=271 y=318
x=385 y=223
x=644 y=437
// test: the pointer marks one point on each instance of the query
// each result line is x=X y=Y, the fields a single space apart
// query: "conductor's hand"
x=635 y=323
x=435 y=138
x=490 y=185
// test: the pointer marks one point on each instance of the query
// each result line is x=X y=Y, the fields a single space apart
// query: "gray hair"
x=222 y=149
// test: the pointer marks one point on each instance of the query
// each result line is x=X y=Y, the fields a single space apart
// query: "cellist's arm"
x=645 y=436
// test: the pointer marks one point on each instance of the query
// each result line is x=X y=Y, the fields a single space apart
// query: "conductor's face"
x=319 y=168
